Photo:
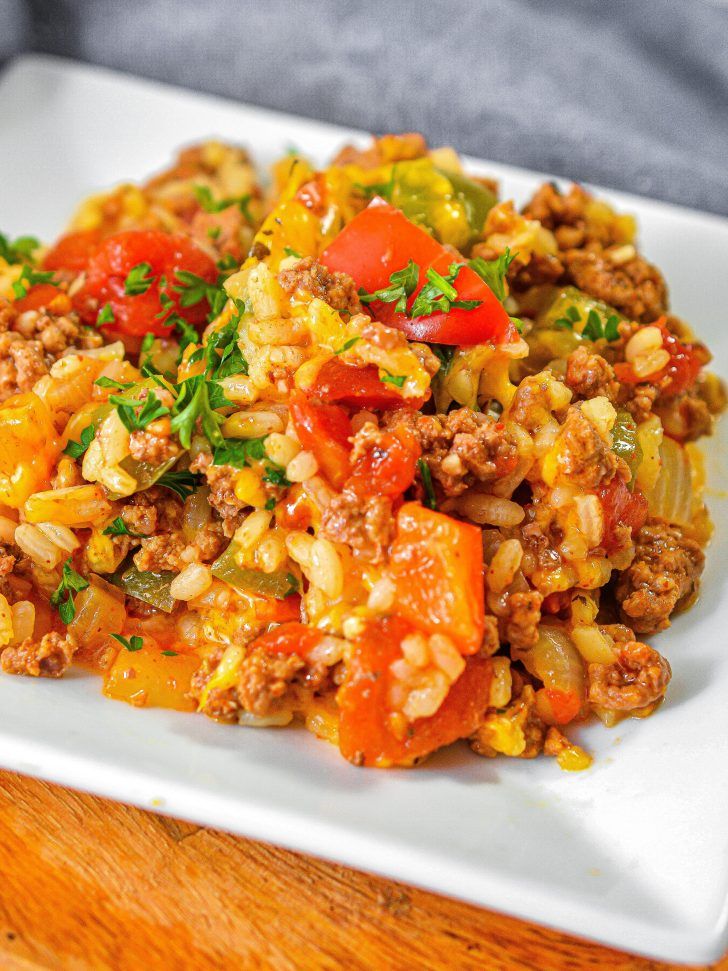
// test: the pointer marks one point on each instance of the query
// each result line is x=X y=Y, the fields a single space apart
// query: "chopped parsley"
x=276 y=476
x=117 y=527
x=170 y=653
x=227 y=262
x=347 y=344
x=30 y=278
x=210 y=204
x=396 y=379
x=182 y=483
x=445 y=353
x=229 y=360
x=197 y=400
x=426 y=476
x=186 y=333
x=138 y=280
x=493 y=272
x=594 y=329
x=402 y=284
x=289 y=251
x=104 y=382
x=270 y=504
x=19 y=250
x=571 y=317
x=77 y=449
x=62 y=596
x=133 y=643
x=239 y=452
x=294 y=585
x=106 y=315
x=150 y=407
x=439 y=295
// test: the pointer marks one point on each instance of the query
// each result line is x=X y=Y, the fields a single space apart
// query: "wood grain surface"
x=90 y=884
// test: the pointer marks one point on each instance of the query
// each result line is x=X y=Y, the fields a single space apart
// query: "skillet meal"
x=363 y=448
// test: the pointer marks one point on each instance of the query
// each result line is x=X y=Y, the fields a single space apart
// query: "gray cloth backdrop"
x=628 y=93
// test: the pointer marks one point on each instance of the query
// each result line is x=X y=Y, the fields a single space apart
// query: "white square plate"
x=633 y=852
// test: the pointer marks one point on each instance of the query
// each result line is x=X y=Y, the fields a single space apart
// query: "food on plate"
x=362 y=447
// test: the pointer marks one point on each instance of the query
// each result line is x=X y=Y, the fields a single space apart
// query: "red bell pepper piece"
x=73 y=251
x=620 y=508
x=388 y=468
x=37 y=296
x=289 y=638
x=357 y=387
x=324 y=430
x=437 y=567
x=365 y=732
x=381 y=240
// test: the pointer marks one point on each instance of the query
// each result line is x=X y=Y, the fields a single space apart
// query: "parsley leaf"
x=402 y=284
x=138 y=280
x=611 y=328
x=270 y=504
x=170 y=653
x=276 y=476
x=396 y=379
x=347 y=344
x=62 y=596
x=239 y=452
x=210 y=204
x=106 y=315
x=186 y=332
x=493 y=272
x=439 y=295
x=151 y=408
x=183 y=483
x=426 y=475
x=133 y=643
x=193 y=289
x=289 y=251
x=19 y=250
x=197 y=399
x=76 y=449
x=117 y=527
x=225 y=340
x=227 y=262
x=445 y=352
x=29 y=278
x=104 y=382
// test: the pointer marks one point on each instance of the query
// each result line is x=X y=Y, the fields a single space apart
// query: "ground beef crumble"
x=47 y=658
x=590 y=376
x=338 y=290
x=584 y=456
x=221 y=480
x=460 y=448
x=639 y=677
x=365 y=524
x=523 y=615
x=664 y=575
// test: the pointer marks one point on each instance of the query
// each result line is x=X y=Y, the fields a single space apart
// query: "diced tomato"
x=685 y=363
x=381 y=240
x=324 y=430
x=388 y=468
x=270 y=611
x=365 y=725
x=37 y=296
x=295 y=510
x=437 y=566
x=73 y=251
x=621 y=508
x=142 y=313
x=565 y=705
x=357 y=387
x=290 y=638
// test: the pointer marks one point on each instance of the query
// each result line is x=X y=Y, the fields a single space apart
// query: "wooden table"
x=90 y=884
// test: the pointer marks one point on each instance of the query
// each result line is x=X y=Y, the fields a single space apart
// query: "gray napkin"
x=627 y=93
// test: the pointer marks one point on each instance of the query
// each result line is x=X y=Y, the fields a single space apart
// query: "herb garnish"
x=239 y=452
x=77 y=449
x=117 y=527
x=19 y=250
x=151 y=408
x=493 y=272
x=182 y=483
x=439 y=294
x=347 y=344
x=106 y=315
x=402 y=285
x=426 y=475
x=396 y=379
x=105 y=382
x=210 y=204
x=62 y=596
x=138 y=279
x=289 y=251
x=133 y=643
x=197 y=399
x=29 y=278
